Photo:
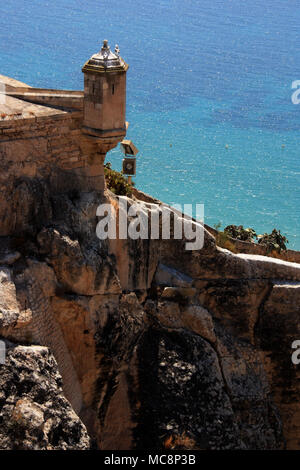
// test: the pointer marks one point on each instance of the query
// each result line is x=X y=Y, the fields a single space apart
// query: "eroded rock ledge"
x=157 y=347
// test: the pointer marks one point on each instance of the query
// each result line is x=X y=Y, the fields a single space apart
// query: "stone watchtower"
x=62 y=136
x=105 y=98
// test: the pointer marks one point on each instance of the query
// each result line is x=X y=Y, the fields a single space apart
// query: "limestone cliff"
x=158 y=347
x=127 y=344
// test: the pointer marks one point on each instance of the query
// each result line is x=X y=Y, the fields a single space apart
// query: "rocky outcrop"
x=158 y=347
x=277 y=327
x=34 y=413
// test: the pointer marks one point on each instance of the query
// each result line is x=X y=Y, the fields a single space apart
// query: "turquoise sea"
x=209 y=94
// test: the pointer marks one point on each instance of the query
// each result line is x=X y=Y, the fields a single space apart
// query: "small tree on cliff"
x=274 y=241
x=240 y=233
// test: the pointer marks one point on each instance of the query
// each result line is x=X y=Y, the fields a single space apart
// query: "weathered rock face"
x=157 y=346
x=166 y=386
x=190 y=391
x=277 y=328
x=34 y=413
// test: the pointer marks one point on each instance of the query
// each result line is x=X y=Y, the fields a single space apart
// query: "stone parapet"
x=48 y=97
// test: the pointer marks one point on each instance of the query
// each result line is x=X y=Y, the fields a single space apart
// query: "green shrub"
x=116 y=181
x=240 y=233
x=274 y=241
x=223 y=239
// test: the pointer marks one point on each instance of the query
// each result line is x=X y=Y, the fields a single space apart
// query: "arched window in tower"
x=113 y=89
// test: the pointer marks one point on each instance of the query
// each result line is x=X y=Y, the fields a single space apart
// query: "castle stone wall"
x=44 y=146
